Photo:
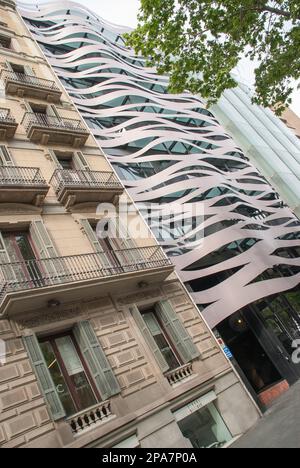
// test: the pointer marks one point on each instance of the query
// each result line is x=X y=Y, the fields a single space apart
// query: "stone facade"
x=146 y=402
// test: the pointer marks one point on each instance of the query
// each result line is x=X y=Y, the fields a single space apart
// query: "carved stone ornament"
x=43 y=318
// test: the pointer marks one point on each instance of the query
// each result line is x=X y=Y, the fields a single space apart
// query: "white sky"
x=124 y=12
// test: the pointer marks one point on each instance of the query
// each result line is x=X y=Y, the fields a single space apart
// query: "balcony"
x=8 y=125
x=74 y=187
x=46 y=129
x=33 y=284
x=24 y=85
x=91 y=418
x=22 y=185
x=179 y=375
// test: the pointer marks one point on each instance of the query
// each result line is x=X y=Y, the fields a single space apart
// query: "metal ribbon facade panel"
x=170 y=150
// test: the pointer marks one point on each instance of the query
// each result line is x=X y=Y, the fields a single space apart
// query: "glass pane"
x=205 y=428
x=66 y=163
x=24 y=246
x=281 y=322
x=84 y=394
x=58 y=378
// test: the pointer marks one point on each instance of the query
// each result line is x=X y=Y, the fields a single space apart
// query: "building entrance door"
x=283 y=324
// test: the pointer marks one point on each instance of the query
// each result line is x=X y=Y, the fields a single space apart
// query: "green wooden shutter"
x=28 y=107
x=8 y=272
x=54 y=158
x=5 y=157
x=8 y=66
x=149 y=338
x=55 y=268
x=91 y=235
x=96 y=360
x=52 y=111
x=29 y=71
x=177 y=332
x=43 y=376
x=127 y=251
x=46 y=246
x=80 y=161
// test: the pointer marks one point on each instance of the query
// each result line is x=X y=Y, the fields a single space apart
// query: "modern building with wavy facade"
x=169 y=150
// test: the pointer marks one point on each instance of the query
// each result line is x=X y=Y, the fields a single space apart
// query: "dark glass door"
x=283 y=323
x=276 y=329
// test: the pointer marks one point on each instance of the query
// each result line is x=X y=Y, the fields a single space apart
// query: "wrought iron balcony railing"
x=16 y=176
x=6 y=117
x=8 y=125
x=32 y=119
x=64 y=178
x=29 y=80
x=42 y=273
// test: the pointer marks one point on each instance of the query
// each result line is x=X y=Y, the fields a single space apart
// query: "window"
x=72 y=370
x=205 y=428
x=5 y=42
x=17 y=68
x=162 y=340
x=65 y=161
x=20 y=249
x=69 y=373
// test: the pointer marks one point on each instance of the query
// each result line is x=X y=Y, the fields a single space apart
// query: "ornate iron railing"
x=65 y=178
x=23 y=79
x=40 y=273
x=6 y=117
x=32 y=119
x=29 y=176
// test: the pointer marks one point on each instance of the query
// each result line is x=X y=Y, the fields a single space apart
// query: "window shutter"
x=43 y=375
x=96 y=360
x=91 y=235
x=80 y=162
x=46 y=249
x=52 y=112
x=28 y=70
x=5 y=157
x=54 y=158
x=28 y=107
x=104 y=257
x=149 y=338
x=8 y=66
x=44 y=243
x=8 y=274
x=177 y=332
x=128 y=253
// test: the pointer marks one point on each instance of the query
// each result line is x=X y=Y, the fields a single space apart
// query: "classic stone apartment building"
x=101 y=345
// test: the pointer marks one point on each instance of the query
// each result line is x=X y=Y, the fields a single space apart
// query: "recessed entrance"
x=249 y=354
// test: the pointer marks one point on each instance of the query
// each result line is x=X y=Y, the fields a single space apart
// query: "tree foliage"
x=199 y=43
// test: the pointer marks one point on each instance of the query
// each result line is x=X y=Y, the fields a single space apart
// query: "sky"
x=124 y=12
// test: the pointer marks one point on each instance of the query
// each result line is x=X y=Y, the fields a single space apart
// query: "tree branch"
x=276 y=11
